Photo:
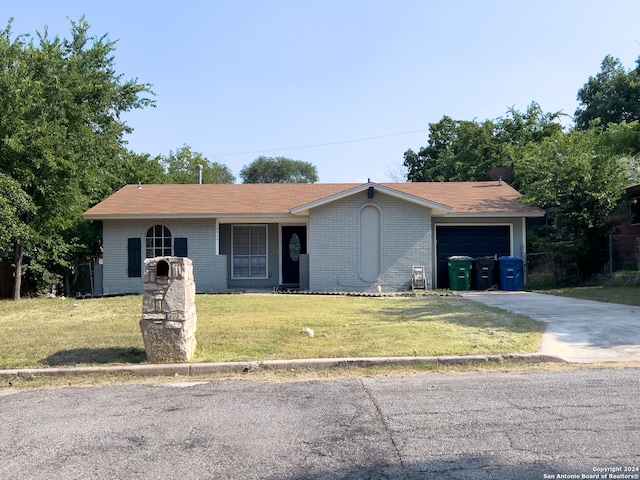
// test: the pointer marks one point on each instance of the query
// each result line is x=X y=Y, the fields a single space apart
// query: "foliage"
x=460 y=150
x=579 y=182
x=131 y=168
x=612 y=96
x=279 y=170
x=577 y=176
x=62 y=138
x=14 y=205
x=181 y=166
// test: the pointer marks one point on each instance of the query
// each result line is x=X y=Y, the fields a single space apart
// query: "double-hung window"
x=249 y=251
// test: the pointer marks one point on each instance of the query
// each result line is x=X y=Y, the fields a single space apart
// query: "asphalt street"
x=465 y=426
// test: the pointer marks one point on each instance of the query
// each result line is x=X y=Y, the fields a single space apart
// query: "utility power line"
x=317 y=145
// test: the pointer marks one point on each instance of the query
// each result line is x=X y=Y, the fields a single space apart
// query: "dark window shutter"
x=180 y=247
x=134 y=249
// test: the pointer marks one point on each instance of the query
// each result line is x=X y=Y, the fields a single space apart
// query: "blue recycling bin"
x=510 y=273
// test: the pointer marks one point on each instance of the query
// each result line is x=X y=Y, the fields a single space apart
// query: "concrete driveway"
x=579 y=331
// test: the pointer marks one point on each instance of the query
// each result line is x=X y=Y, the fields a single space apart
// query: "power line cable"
x=319 y=144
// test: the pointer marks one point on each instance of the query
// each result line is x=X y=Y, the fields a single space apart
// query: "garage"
x=473 y=241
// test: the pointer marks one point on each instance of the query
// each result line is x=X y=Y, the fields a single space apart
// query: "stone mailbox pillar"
x=168 y=310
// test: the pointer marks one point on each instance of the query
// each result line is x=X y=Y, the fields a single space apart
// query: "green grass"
x=43 y=332
x=622 y=295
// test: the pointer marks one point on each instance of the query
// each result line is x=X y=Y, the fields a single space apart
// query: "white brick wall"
x=201 y=250
x=334 y=240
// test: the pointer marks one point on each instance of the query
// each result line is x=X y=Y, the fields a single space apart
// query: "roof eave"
x=138 y=216
x=497 y=214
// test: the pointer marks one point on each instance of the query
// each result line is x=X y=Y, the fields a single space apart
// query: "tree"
x=578 y=177
x=462 y=150
x=182 y=165
x=14 y=205
x=278 y=170
x=612 y=96
x=579 y=180
x=131 y=167
x=457 y=151
x=62 y=138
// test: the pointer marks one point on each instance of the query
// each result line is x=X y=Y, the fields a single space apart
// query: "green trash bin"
x=460 y=272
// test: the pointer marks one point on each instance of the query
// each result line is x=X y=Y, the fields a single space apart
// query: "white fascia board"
x=498 y=215
x=288 y=219
x=436 y=207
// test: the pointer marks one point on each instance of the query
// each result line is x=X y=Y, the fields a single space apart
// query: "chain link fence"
x=624 y=253
x=82 y=280
x=553 y=269
x=541 y=270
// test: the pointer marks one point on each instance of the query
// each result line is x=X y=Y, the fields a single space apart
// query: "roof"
x=285 y=200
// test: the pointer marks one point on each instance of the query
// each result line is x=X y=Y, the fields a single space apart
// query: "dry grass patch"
x=40 y=332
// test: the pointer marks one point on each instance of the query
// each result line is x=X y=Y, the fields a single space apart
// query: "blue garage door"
x=471 y=241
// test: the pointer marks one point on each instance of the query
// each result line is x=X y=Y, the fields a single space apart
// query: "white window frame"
x=154 y=239
x=250 y=255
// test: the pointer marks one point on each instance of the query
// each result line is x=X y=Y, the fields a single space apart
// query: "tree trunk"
x=18 y=259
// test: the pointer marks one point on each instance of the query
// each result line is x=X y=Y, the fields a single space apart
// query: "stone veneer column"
x=168 y=310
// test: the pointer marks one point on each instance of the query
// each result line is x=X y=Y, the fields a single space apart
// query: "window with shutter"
x=134 y=252
x=180 y=247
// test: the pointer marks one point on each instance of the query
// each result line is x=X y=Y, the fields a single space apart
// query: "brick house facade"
x=319 y=237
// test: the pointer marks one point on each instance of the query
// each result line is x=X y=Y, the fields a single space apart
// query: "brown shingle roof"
x=213 y=200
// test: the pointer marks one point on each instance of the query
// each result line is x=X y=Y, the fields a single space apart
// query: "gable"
x=371 y=190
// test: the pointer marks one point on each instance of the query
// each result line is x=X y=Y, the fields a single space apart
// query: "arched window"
x=158 y=242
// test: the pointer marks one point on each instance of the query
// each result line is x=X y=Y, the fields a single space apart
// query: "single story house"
x=320 y=237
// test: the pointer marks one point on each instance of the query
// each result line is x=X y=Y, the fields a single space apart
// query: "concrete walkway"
x=579 y=331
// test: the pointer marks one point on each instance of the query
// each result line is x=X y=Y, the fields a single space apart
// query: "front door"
x=294 y=243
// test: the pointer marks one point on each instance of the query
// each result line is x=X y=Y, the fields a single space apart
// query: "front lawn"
x=52 y=332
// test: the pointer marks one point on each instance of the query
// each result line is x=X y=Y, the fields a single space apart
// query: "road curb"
x=199 y=369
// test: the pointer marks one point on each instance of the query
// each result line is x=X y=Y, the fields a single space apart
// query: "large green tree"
x=182 y=166
x=466 y=150
x=612 y=96
x=579 y=180
x=61 y=138
x=577 y=176
x=279 y=170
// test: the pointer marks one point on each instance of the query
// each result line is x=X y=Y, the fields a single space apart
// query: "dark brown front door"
x=294 y=243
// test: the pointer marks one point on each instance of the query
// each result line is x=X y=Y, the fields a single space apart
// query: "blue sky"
x=354 y=82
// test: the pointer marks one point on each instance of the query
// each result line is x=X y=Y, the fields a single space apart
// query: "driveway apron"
x=579 y=331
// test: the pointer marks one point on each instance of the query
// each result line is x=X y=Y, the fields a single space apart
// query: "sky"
x=346 y=85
